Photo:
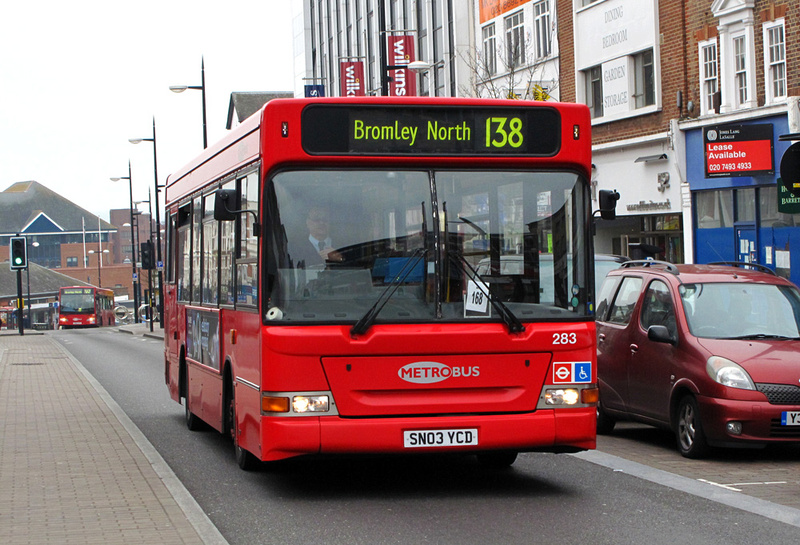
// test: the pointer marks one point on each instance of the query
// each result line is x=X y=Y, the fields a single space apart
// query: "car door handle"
x=634 y=348
x=601 y=337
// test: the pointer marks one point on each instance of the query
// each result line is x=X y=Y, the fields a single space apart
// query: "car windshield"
x=421 y=245
x=737 y=310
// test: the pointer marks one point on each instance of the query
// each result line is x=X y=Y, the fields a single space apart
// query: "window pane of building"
x=541 y=14
x=644 y=74
x=776 y=49
x=489 y=50
x=740 y=68
x=709 y=75
x=515 y=39
x=714 y=209
x=594 y=91
x=746 y=204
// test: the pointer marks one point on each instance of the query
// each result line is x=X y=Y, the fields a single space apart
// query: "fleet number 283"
x=565 y=338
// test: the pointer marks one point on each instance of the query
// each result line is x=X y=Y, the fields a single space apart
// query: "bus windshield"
x=77 y=300
x=424 y=245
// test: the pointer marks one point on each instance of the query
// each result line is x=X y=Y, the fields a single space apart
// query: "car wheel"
x=605 y=423
x=689 y=430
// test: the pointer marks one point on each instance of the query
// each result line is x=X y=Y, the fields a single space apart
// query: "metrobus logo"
x=429 y=372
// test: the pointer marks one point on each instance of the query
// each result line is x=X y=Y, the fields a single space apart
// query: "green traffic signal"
x=19 y=253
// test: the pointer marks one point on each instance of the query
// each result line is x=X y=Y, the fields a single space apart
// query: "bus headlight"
x=310 y=404
x=562 y=396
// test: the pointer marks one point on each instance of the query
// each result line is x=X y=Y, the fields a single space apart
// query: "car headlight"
x=728 y=373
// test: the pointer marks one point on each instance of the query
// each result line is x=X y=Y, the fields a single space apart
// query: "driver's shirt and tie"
x=320 y=244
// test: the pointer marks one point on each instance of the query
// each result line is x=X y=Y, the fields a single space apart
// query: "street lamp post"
x=158 y=224
x=99 y=265
x=133 y=246
x=149 y=271
x=202 y=89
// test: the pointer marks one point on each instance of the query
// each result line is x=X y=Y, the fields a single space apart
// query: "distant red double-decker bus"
x=85 y=307
x=336 y=280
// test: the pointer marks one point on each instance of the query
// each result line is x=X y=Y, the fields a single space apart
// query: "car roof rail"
x=744 y=265
x=666 y=265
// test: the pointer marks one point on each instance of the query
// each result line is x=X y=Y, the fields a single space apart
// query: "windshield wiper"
x=366 y=321
x=509 y=318
x=757 y=336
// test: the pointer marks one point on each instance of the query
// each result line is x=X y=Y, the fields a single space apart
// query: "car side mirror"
x=226 y=205
x=660 y=334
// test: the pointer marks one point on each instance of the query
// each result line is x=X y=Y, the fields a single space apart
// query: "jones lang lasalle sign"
x=738 y=150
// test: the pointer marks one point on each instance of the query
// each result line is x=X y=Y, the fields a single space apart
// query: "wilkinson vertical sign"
x=738 y=150
x=351 y=76
x=401 y=53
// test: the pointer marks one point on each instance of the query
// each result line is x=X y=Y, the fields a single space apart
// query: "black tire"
x=605 y=423
x=193 y=422
x=689 y=429
x=500 y=459
x=244 y=458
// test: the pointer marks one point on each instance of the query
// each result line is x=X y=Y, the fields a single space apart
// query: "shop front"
x=649 y=220
x=740 y=210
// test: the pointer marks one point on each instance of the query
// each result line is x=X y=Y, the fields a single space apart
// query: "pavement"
x=75 y=469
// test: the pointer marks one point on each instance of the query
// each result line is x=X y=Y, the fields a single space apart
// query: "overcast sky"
x=81 y=77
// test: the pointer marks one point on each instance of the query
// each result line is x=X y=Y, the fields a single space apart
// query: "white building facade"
x=361 y=47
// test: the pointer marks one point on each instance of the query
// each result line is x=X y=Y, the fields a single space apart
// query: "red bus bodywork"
x=398 y=387
x=81 y=306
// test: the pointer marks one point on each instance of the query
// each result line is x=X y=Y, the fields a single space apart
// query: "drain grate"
x=28 y=363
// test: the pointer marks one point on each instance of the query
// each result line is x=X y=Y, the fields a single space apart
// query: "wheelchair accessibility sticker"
x=572 y=372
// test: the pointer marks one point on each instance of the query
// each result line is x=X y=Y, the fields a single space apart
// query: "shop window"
x=768 y=208
x=714 y=209
x=746 y=205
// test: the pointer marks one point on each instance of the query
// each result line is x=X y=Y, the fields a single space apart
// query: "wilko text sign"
x=738 y=150
x=351 y=76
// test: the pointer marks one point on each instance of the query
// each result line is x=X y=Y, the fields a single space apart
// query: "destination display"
x=383 y=130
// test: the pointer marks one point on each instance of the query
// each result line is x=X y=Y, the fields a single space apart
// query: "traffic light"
x=146 y=254
x=19 y=253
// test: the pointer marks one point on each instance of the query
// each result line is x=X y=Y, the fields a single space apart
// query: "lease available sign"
x=738 y=150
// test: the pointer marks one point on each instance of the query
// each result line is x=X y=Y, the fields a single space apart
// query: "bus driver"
x=319 y=248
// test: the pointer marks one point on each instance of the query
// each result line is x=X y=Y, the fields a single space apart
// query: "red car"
x=711 y=352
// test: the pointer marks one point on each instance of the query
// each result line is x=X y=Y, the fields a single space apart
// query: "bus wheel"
x=497 y=460
x=244 y=458
x=192 y=421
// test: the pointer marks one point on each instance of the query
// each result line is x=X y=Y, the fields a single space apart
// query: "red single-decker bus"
x=336 y=280
x=80 y=306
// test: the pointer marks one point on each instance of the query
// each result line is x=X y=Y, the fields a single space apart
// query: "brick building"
x=743 y=77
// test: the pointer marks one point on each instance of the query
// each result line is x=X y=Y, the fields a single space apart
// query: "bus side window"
x=227 y=234
x=247 y=250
